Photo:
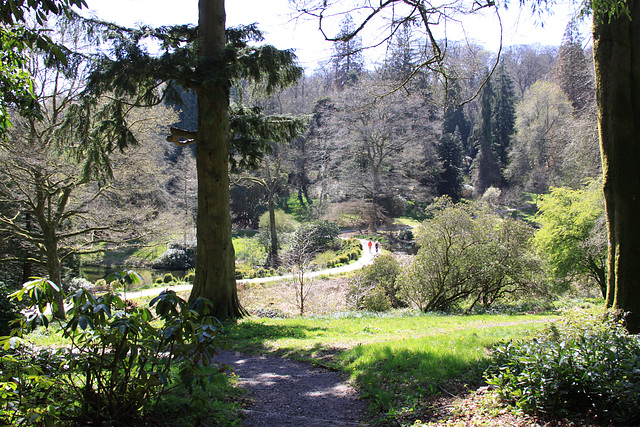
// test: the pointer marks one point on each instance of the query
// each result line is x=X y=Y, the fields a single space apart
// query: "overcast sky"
x=276 y=19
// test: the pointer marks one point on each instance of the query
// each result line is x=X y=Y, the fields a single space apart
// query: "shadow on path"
x=288 y=393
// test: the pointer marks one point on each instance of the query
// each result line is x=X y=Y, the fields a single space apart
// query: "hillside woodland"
x=480 y=186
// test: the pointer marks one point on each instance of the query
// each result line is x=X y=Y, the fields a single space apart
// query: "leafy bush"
x=77 y=283
x=467 y=254
x=285 y=223
x=405 y=234
x=100 y=285
x=572 y=234
x=177 y=257
x=376 y=300
x=584 y=366
x=351 y=251
x=323 y=235
x=249 y=252
x=190 y=277
x=119 y=364
x=375 y=287
x=168 y=278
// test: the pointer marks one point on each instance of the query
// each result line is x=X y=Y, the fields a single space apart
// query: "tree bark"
x=54 y=271
x=215 y=257
x=274 y=258
x=617 y=70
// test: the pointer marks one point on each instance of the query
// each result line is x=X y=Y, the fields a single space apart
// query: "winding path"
x=365 y=259
x=283 y=392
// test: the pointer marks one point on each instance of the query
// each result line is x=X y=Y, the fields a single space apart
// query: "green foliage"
x=572 y=234
x=584 y=366
x=15 y=11
x=376 y=289
x=9 y=310
x=323 y=234
x=375 y=300
x=17 y=87
x=468 y=254
x=101 y=285
x=168 y=278
x=541 y=119
x=351 y=251
x=450 y=156
x=250 y=252
x=120 y=361
x=178 y=256
x=131 y=72
x=15 y=41
x=190 y=277
x=285 y=223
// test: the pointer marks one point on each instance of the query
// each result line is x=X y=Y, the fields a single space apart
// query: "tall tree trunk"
x=54 y=271
x=617 y=69
x=375 y=196
x=215 y=257
x=27 y=267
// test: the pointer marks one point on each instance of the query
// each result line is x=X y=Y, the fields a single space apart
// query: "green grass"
x=396 y=360
x=249 y=251
x=407 y=221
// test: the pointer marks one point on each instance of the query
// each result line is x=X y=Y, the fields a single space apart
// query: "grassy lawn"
x=398 y=360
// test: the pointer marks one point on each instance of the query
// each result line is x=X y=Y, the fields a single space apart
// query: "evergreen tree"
x=454 y=115
x=486 y=165
x=449 y=150
x=400 y=62
x=573 y=69
x=504 y=116
x=209 y=59
x=348 y=62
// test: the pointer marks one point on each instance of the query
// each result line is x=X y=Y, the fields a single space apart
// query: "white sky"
x=275 y=19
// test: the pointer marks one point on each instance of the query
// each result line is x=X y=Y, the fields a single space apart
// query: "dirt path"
x=283 y=392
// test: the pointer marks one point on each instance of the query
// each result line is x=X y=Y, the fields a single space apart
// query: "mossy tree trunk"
x=215 y=258
x=617 y=69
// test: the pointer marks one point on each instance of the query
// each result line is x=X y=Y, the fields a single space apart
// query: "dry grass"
x=326 y=295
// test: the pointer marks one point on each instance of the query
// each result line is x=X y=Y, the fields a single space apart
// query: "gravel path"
x=283 y=392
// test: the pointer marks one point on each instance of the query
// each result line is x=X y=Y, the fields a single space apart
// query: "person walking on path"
x=377 y=246
x=370 y=244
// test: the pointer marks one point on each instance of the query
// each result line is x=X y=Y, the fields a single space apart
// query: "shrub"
x=405 y=234
x=177 y=257
x=344 y=259
x=119 y=363
x=584 y=366
x=382 y=274
x=376 y=300
x=468 y=254
x=77 y=283
x=100 y=285
x=191 y=277
x=168 y=278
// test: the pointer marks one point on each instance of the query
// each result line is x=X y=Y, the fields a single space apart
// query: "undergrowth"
x=585 y=366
